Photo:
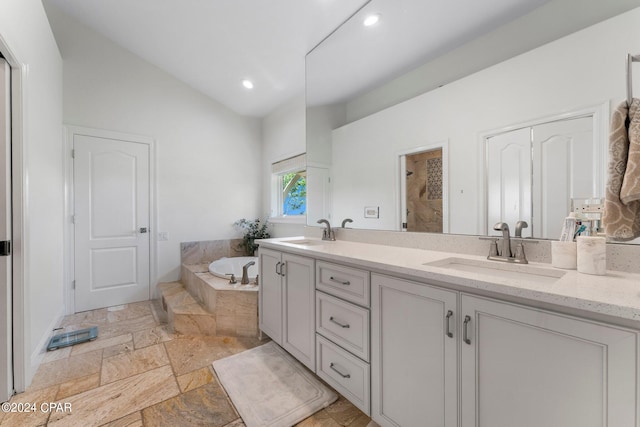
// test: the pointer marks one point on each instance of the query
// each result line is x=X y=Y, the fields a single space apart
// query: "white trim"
x=20 y=267
x=69 y=251
x=41 y=348
x=297 y=219
x=600 y=116
x=399 y=196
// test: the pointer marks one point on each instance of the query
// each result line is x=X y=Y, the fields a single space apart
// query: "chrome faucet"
x=245 y=273
x=505 y=251
x=345 y=221
x=519 y=226
x=327 y=233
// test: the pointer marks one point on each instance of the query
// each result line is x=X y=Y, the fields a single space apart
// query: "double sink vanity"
x=426 y=338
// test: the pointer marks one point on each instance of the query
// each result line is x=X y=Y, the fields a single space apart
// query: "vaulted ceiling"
x=213 y=45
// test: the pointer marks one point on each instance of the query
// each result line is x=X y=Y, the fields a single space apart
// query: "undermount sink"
x=305 y=242
x=499 y=269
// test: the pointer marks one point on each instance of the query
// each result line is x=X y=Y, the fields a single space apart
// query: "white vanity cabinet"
x=413 y=354
x=287 y=302
x=529 y=368
x=343 y=331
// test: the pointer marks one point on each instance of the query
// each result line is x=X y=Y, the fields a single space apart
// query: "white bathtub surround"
x=223 y=267
x=592 y=255
x=564 y=255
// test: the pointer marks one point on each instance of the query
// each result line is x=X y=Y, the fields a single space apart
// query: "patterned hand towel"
x=621 y=221
x=630 y=190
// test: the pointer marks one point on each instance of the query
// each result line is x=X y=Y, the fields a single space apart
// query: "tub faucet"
x=327 y=233
x=245 y=273
x=506 y=239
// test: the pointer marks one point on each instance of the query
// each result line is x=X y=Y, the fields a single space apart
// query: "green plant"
x=252 y=230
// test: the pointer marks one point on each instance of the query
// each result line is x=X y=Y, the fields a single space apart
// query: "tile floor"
x=138 y=374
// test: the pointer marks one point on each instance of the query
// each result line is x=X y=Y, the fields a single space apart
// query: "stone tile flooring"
x=139 y=374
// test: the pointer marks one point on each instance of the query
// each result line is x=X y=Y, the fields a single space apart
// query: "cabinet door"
x=270 y=300
x=413 y=354
x=530 y=368
x=298 y=333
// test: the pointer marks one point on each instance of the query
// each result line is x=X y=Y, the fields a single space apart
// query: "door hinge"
x=73 y=153
x=5 y=247
x=73 y=219
x=73 y=285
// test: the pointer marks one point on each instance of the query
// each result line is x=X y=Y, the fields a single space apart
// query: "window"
x=289 y=189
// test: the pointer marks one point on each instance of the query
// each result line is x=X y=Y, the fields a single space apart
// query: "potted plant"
x=252 y=230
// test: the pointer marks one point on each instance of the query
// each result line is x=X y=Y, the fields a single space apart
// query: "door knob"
x=142 y=229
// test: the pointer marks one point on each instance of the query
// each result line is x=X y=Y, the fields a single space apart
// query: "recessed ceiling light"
x=247 y=84
x=371 y=20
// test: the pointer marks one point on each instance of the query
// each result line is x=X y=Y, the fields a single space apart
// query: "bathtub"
x=224 y=266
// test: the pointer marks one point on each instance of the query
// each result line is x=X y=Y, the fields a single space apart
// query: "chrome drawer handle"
x=331 y=365
x=342 y=325
x=342 y=282
x=465 y=332
x=448 y=317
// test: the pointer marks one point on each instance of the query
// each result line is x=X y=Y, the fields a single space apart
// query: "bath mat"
x=270 y=388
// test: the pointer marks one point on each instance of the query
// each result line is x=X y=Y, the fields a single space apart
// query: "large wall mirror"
x=381 y=115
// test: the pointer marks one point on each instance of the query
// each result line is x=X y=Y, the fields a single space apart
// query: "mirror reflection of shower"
x=423 y=190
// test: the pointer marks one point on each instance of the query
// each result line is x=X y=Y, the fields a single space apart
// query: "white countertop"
x=616 y=294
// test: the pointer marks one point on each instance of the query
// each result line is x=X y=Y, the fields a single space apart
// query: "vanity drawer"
x=344 y=282
x=346 y=373
x=344 y=323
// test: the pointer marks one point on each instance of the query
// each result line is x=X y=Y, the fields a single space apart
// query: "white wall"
x=208 y=157
x=580 y=70
x=25 y=31
x=283 y=136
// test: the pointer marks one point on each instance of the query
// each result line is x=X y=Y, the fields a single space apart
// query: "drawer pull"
x=331 y=365
x=448 y=317
x=465 y=331
x=342 y=325
x=277 y=268
x=342 y=282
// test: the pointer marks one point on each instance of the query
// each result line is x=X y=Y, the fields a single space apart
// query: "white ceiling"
x=212 y=45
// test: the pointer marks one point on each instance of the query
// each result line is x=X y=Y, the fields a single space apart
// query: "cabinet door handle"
x=342 y=325
x=465 y=331
x=332 y=366
x=448 y=318
x=278 y=271
x=342 y=282
x=283 y=268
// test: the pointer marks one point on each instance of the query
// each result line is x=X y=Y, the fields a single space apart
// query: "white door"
x=565 y=152
x=530 y=368
x=111 y=215
x=6 y=352
x=509 y=179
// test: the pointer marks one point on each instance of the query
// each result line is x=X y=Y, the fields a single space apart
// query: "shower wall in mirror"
x=581 y=71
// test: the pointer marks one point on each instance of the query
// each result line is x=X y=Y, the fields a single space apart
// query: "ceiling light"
x=371 y=20
x=247 y=84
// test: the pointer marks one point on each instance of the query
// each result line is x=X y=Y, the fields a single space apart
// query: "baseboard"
x=41 y=347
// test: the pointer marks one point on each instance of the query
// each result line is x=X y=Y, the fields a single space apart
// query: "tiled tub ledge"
x=203 y=304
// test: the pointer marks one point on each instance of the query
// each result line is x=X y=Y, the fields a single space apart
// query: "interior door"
x=6 y=351
x=111 y=216
x=566 y=152
x=509 y=179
